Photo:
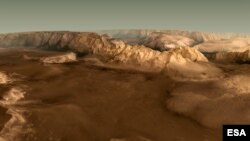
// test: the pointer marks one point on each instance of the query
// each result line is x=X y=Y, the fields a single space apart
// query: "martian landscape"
x=122 y=85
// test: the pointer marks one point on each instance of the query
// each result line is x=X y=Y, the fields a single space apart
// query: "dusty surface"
x=99 y=88
x=82 y=102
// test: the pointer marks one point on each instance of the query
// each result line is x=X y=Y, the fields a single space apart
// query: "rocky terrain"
x=143 y=85
x=175 y=62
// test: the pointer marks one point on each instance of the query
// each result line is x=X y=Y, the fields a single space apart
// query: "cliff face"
x=50 y=40
x=175 y=62
x=233 y=57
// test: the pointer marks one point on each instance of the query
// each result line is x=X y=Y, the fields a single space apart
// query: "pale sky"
x=85 y=15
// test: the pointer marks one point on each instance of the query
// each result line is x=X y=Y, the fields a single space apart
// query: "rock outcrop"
x=59 y=59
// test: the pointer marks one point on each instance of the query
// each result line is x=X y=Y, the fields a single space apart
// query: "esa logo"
x=236 y=132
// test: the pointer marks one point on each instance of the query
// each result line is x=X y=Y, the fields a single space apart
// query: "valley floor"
x=84 y=102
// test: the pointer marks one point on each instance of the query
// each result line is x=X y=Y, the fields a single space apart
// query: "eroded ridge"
x=180 y=63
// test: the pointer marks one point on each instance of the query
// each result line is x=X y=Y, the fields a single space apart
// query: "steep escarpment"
x=233 y=57
x=175 y=63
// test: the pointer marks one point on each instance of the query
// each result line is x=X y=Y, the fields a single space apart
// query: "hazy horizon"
x=91 y=15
